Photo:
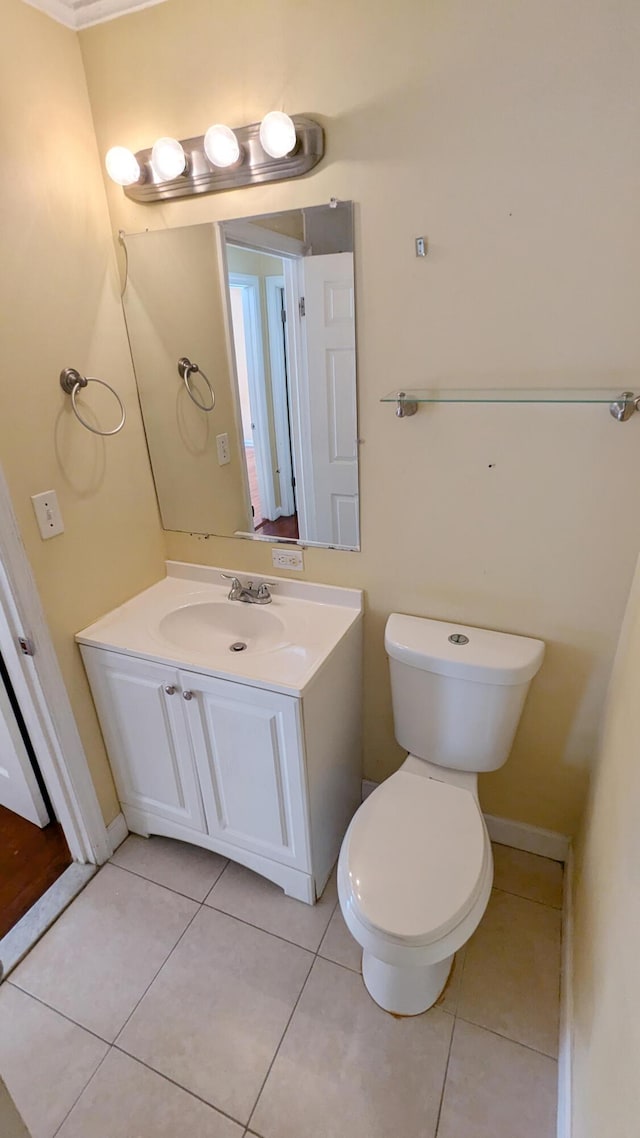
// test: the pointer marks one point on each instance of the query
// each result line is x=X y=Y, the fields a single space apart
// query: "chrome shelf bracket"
x=405 y=407
x=623 y=408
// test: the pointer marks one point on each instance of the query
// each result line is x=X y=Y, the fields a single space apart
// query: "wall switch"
x=224 y=454
x=48 y=514
x=287 y=559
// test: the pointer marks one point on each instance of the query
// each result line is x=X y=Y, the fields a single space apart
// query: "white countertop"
x=315 y=618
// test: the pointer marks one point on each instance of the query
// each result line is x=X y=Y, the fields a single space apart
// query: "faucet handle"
x=236 y=585
x=264 y=588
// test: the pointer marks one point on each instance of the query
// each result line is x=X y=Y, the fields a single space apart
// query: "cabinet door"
x=146 y=733
x=248 y=747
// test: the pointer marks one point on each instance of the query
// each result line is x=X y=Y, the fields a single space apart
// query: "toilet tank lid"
x=486 y=657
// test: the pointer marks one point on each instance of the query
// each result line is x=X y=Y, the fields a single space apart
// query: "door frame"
x=277 y=359
x=43 y=698
x=295 y=336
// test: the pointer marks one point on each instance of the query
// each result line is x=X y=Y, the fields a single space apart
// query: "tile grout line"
x=179 y=1086
x=56 y=1011
x=533 y=900
x=79 y=1096
x=157 y=973
x=444 y=1078
x=111 y=1045
x=508 y=1038
x=293 y=1011
x=260 y=929
x=178 y=892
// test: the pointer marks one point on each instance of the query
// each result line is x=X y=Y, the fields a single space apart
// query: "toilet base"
x=405 y=991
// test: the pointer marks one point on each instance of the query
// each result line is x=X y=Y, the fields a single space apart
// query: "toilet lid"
x=415 y=854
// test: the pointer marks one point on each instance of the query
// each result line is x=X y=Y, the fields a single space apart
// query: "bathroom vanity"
x=235 y=726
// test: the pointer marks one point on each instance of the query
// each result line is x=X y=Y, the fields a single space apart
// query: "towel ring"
x=71 y=382
x=185 y=370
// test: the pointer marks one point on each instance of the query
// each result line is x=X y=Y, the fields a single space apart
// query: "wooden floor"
x=31 y=860
x=282 y=527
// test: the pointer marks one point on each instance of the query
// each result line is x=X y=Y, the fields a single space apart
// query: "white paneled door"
x=331 y=354
x=18 y=784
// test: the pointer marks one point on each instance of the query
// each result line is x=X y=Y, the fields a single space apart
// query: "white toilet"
x=415 y=868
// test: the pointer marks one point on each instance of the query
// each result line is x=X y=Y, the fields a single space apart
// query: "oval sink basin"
x=214 y=626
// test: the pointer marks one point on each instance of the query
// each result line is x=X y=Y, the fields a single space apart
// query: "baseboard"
x=520 y=835
x=565 y=1051
x=117 y=831
x=532 y=839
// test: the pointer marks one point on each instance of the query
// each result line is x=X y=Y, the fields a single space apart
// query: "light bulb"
x=277 y=134
x=168 y=159
x=221 y=145
x=122 y=166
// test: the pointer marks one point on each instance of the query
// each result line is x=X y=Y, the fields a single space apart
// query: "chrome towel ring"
x=71 y=382
x=185 y=370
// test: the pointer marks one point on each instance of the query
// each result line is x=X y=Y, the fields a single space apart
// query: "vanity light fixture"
x=277 y=134
x=221 y=146
x=122 y=166
x=168 y=159
x=277 y=148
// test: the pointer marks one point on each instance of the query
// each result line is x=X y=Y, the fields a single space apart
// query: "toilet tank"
x=458 y=692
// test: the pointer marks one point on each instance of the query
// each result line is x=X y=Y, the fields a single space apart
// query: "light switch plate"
x=48 y=514
x=287 y=559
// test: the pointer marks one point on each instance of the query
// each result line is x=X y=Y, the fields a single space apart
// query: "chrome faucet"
x=249 y=594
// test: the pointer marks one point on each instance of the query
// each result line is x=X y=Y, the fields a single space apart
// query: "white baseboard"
x=519 y=835
x=522 y=836
x=117 y=831
x=565 y=1051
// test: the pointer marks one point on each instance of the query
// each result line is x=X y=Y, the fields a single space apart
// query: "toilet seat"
x=414 y=859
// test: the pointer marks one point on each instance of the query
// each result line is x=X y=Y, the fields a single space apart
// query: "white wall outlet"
x=224 y=454
x=287 y=559
x=48 y=514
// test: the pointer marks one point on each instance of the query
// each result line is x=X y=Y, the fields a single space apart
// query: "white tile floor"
x=180 y=994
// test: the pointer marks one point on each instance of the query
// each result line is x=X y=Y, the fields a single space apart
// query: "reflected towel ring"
x=185 y=370
x=71 y=382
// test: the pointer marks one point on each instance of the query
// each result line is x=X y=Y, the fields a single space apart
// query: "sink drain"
x=237 y=646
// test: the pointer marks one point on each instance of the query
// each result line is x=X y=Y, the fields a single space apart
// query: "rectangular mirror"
x=243 y=341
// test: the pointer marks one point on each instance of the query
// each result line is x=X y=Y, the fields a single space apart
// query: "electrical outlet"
x=224 y=454
x=48 y=514
x=287 y=559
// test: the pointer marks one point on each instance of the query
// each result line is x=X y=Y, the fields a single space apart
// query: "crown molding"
x=78 y=14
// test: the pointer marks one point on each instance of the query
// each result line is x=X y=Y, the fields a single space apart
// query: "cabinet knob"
x=187 y=695
x=170 y=689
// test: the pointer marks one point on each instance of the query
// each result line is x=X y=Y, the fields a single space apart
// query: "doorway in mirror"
x=256 y=292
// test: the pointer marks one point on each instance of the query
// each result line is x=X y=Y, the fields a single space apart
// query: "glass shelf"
x=507 y=395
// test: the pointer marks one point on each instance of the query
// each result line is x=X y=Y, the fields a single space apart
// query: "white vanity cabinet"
x=250 y=757
x=147 y=738
x=226 y=765
x=253 y=754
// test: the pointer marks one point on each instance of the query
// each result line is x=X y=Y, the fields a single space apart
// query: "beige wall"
x=607 y=913
x=505 y=133
x=60 y=306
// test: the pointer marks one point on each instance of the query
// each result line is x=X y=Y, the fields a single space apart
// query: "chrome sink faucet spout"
x=250 y=594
